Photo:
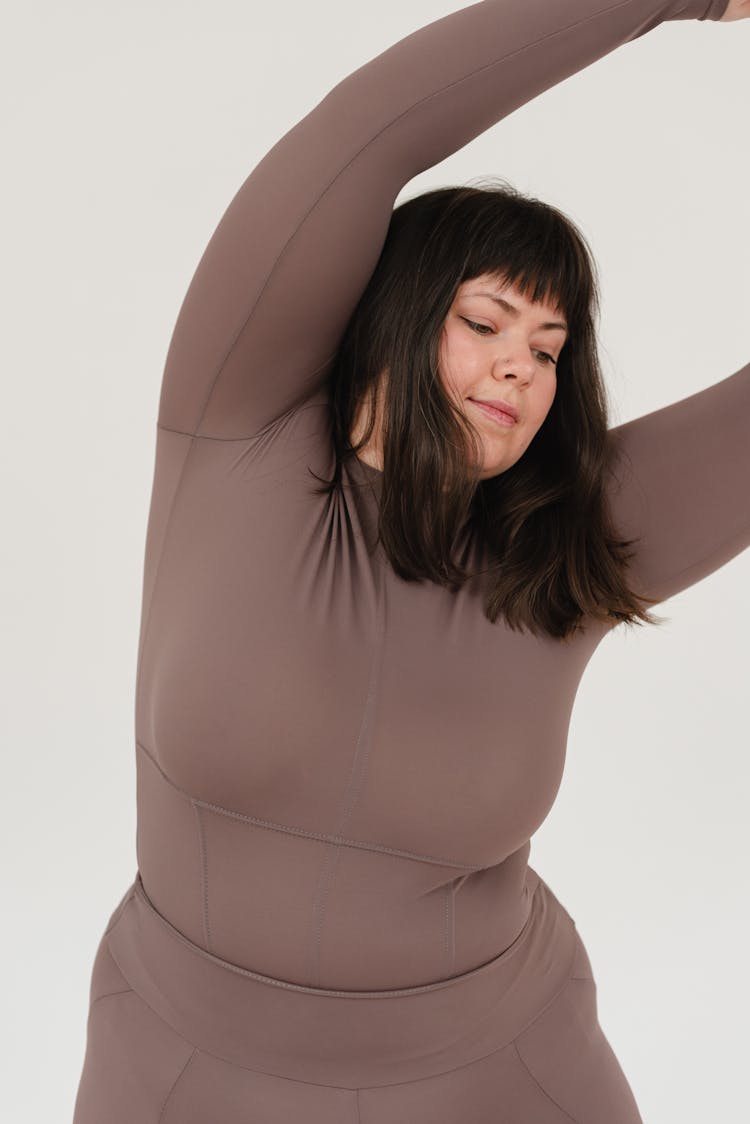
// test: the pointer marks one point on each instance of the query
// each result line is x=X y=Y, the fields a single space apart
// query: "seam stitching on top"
x=203 y=852
x=325 y=877
x=272 y=981
x=307 y=403
x=355 y=784
x=336 y=840
x=292 y=830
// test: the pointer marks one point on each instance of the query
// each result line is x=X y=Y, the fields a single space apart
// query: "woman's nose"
x=514 y=363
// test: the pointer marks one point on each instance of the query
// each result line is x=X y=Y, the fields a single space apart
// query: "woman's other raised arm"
x=681 y=482
x=292 y=254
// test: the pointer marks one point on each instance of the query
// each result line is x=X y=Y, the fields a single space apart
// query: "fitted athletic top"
x=338 y=771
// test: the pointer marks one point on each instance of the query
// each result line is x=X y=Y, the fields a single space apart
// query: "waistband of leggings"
x=346 y=1039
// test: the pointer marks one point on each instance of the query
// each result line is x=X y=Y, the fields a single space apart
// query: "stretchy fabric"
x=333 y=917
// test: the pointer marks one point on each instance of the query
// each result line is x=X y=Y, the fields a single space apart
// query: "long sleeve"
x=283 y=271
x=681 y=483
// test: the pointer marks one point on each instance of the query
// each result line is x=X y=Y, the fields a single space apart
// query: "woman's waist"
x=343 y=1036
x=342 y=921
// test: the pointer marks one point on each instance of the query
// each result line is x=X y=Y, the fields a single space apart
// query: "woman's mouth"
x=498 y=416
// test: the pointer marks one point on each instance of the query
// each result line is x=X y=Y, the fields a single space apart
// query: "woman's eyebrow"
x=511 y=308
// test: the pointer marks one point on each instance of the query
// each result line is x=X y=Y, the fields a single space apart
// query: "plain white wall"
x=127 y=130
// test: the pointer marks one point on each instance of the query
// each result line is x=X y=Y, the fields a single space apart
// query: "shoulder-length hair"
x=554 y=556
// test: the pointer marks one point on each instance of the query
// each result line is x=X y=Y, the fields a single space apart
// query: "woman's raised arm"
x=292 y=254
x=681 y=482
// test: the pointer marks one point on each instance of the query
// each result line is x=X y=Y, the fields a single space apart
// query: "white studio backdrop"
x=127 y=130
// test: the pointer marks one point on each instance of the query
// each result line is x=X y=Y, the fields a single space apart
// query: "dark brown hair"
x=554 y=555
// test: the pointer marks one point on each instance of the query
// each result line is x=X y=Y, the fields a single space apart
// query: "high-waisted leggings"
x=176 y=1035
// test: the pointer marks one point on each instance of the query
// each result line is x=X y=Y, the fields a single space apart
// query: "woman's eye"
x=484 y=327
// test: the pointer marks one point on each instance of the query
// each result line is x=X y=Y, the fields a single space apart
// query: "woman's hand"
x=736 y=10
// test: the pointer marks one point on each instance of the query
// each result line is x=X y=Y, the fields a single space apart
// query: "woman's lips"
x=498 y=416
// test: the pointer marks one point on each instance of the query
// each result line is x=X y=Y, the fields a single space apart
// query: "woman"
x=369 y=597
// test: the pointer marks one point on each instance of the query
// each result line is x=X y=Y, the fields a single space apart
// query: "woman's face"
x=504 y=352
